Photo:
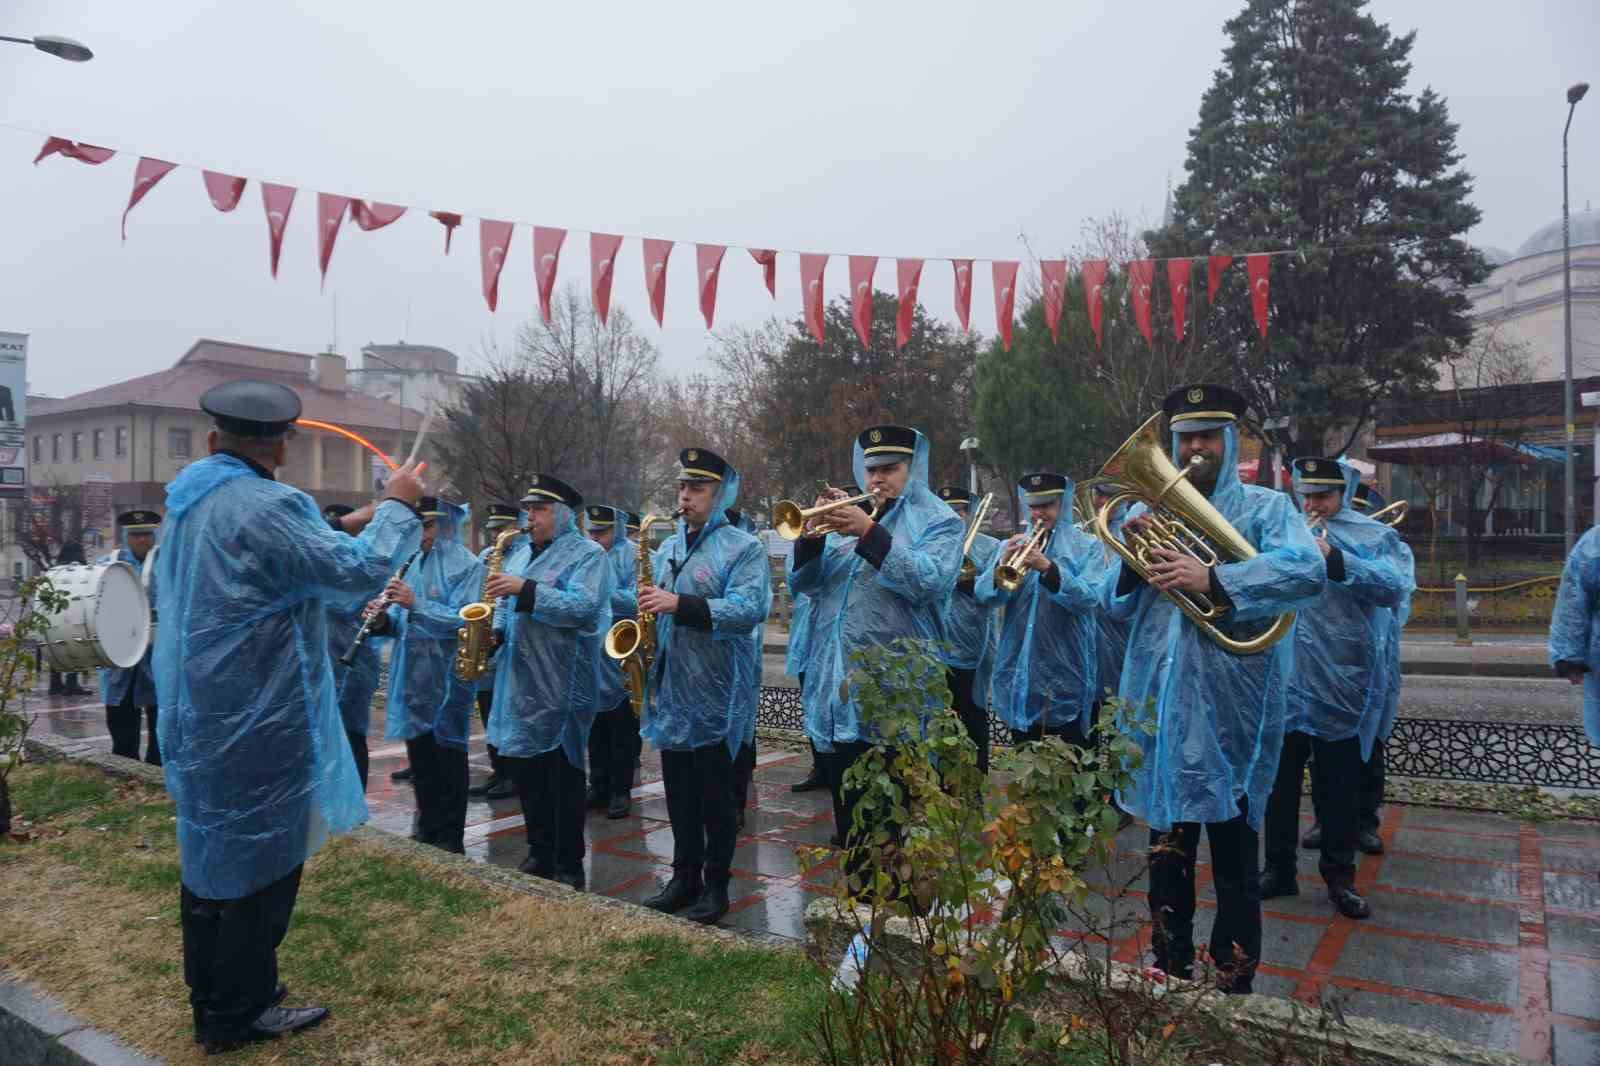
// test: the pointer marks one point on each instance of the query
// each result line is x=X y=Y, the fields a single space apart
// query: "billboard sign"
x=13 y=414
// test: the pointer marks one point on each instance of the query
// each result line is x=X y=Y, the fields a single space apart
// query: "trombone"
x=1010 y=571
x=1393 y=514
x=969 y=569
x=790 y=519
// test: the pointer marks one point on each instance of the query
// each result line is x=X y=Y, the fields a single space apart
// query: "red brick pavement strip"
x=1327 y=952
x=1533 y=970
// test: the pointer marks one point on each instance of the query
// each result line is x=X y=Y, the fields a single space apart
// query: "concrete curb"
x=36 y=1030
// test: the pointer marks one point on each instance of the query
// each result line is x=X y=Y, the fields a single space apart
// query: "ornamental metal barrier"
x=1519 y=605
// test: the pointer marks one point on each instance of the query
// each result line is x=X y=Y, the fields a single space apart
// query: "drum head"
x=122 y=617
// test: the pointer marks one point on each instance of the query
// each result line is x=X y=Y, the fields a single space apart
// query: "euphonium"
x=1183 y=520
x=1393 y=514
x=477 y=619
x=789 y=519
x=632 y=642
x=1010 y=571
x=969 y=569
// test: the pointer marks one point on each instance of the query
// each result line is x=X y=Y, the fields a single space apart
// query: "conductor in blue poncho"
x=1219 y=716
x=131 y=694
x=711 y=588
x=614 y=740
x=255 y=753
x=555 y=610
x=499 y=518
x=1338 y=691
x=969 y=628
x=1574 y=636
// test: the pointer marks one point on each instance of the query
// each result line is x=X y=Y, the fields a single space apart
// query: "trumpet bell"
x=788 y=519
x=622 y=639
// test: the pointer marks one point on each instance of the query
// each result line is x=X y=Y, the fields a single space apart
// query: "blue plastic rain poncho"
x=424 y=692
x=757 y=638
x=1574 y=637
x=1046 y=666
x=794 y=660
x=1347 y=642
x=356 y=684
x=486 y=681
x=624 y=557
x=1219 y=716
x=255 y=756
x=969 y=627
x=705 y=683
x=857 y=605
x=114 y=683
x=546 y=692
x=1111 y=634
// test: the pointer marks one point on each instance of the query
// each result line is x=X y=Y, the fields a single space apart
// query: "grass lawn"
x=417 y=965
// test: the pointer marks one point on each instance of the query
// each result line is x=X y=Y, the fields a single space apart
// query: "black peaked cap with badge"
x=139 y=521
x=428 y=507
x=634 y=518
x=1198 y=408
x=883 y=445
x=956 y=495
x=1042 y=488
x=698 y=464
x=546 y=489
x=500 y=514
x=248 y=408
x=600 y=516
x=1319 y=472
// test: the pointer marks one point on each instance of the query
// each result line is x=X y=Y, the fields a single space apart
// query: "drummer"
x=131 y=694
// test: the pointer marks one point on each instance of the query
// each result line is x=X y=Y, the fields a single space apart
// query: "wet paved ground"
x=1485 y=929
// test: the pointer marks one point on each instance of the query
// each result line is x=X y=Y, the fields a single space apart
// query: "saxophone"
x=632 y=642
x=477 y=619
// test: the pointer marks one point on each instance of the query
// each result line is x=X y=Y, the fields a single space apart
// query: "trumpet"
x=1010 y=571
x=790 y=520
x=1393 y=514
x=969 y=569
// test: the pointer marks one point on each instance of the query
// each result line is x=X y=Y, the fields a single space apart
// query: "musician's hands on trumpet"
x=1035 y=559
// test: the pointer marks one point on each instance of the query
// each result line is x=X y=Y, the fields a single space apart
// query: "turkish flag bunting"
x=330 y=216
x=603 y=248
x=1215 y=265
x=1141 y=274
x=145 y=177
x=655 y=274
x=769 y=267
x=1256 y=267
x=963 y=269
x=909 y=274
x=546 y=254
x=83 y=153
x=1178 y=289
x=1005 y=297
x=1054 y=274
x=277 y=200
x=812 y=266
x=861 y=270
x=1094 y=279
x=374 y=216
x=494 y=241
x=223 y=189
x=708 y=266
x=450 y=220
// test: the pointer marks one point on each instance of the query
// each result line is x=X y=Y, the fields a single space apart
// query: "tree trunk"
x=5 y=806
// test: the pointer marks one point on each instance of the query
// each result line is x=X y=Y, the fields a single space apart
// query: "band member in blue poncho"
x=131 y=693
x=499 y=518
x=614 y=740
x=969 y=629
x=1574 y=637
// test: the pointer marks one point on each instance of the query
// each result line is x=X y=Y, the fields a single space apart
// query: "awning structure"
x=1461 y=449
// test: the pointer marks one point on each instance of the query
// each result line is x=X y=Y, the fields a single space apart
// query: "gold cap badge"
x=875 y=436
x=1196 y=395
x=691 y=455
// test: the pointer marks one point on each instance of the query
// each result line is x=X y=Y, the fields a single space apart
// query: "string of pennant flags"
x=494 y=238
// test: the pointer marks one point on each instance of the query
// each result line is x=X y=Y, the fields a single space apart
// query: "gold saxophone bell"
x=477 y=619
x=790 y=520
x=1013 y=568
x=630 y=642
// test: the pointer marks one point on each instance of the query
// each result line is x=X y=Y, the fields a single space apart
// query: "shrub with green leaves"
x=37 y=601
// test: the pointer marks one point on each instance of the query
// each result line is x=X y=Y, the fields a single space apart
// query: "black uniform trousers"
x=699 y=785
x=439 y=776
x=230 y=954
x=1072 y=733
x=358 y=748
x=485 y=698
x=1335 y=778
x=974 y=718
x=122 y=722
x=1369 y=795
x=551 y=792
x=744 y=769
x=1237 y=880
x=613 y=746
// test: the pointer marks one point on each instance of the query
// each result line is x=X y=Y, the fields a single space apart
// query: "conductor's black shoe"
x=811 y=781
x=481 y=791
x=1369 y=841
x=1276 y=883
x=1348 y=902
x=279 y=994
x=272 y=1023
x=595 y=800
x=620 y=806
x=711 y=906
x=682 y=890
x=401 y=776
x=500 y=788
x=1313 y=838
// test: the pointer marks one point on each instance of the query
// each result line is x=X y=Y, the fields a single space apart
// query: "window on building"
x=97 y=444
x=121 y=441
x=55 y=447
x=38 y=449
x=77 y=446
x=178 y=443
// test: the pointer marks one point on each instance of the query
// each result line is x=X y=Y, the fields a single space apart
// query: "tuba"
x=477 y=619
x=632 y=642
x=1181 y=519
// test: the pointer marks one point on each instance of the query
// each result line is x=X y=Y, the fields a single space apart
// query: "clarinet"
x=366 y=626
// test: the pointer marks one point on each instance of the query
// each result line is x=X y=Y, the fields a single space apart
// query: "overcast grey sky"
x=894 y=128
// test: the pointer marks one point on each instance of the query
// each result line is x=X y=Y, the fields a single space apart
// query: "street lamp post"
x=969 y=447
x=61 y=47
x=1574 y=94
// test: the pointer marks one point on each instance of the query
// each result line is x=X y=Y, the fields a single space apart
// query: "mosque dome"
x=1585 y=230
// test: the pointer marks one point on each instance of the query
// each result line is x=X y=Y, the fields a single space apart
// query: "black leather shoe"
x=682 y=890
x=401 y=776
x=1348 y=902
x=810 y=782
x=503 y=788
x=594 y=800
x=482 y=791
x=533 y=868
x=620 y=807
x=273 y=1023
x=573 y=879
x=1275 y=883
x=1369 y=841
x=279 y=994
x=837 y=840
x=1312 y=841
x=710 y=907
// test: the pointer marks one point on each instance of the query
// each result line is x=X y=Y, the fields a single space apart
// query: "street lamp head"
x=1577 y=92
x=74 y=51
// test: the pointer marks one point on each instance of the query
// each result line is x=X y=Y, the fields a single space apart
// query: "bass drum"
x=106 y=621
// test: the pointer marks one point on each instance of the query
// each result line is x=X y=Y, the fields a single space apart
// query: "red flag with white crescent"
x=1005 y=297
x=330 y=216
x=1256 y=267
x=374 y=216
x=546 y=254
x=494 y=241
x=603 y=248
x=708 y=267
x=1141 y=277
x=223 y=189
x=277 y=200
x=83 y=153
x=861 y=270
x=909 y=274
x=1053 y=272
x=449 y=220
x=812 y=266
x=769 y=267
x=963 y=269
x=655 y=274
x=145 y=177
x=1094 y=280
x=1178 y=289
x=1215 y=265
